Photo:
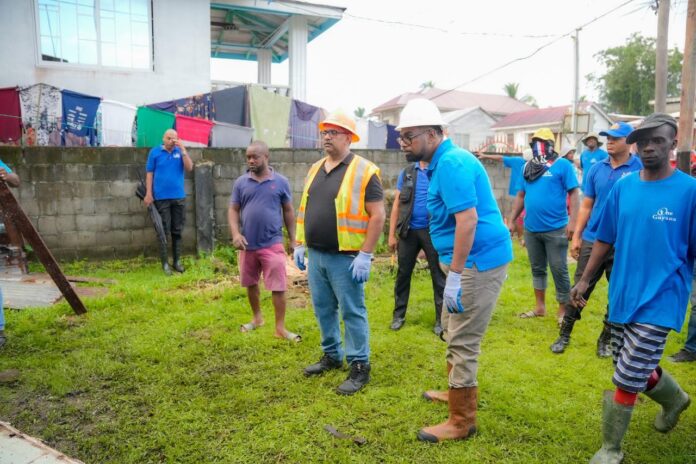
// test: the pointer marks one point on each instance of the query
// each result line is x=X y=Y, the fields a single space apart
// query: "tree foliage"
x=512 y=88
x=628 y=83
x=359 y=112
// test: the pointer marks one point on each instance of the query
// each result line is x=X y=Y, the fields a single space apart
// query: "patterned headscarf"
x=543 y=157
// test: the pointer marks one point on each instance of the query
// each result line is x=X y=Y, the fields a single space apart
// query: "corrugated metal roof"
x=535 y=116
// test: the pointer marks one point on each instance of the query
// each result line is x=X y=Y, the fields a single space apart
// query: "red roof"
x=456 y=100
x=552 y=115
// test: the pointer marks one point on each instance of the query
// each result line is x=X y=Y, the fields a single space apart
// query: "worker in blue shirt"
x=591 y=155
x=600 y=179
x=650 y=219
x=12 y=179
x=548 y=181
x=474 y=247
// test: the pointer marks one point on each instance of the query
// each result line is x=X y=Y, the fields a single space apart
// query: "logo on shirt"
x=547 y=174
x=664 y=214
x=176 y=156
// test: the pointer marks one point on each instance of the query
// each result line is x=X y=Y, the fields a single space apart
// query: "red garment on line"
x=193 y=129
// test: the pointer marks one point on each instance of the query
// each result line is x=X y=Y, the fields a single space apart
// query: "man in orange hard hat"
x=339 y=221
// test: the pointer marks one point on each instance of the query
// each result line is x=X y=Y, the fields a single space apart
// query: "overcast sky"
x=364 y=62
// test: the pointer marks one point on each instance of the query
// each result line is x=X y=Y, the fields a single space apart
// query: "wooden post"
x=661 y=56
x=688 y=93
x=15 y=214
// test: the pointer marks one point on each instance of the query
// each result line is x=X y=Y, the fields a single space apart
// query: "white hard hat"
x=420 y=112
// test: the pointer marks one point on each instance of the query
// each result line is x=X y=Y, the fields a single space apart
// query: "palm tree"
x=359 y=112
x=427 y=85
x=511 y=89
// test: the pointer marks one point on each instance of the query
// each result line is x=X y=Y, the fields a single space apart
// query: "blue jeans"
x=332 y=287
x=549 y=249
x=690 y=344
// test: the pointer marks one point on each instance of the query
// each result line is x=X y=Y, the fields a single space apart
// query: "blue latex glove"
x=298 y=256
x=453 y=293
x=361 y=267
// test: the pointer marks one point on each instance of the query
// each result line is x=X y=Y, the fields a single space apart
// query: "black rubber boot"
x=165 y=259
x=563 y=339
x=603 y=342
x=176 y=250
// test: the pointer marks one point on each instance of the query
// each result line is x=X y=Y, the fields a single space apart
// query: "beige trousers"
x=463 y=332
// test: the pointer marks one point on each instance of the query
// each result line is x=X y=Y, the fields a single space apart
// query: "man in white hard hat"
x=475 y=249
x=339 y=221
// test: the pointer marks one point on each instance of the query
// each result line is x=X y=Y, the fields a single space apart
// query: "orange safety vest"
x=351 y=216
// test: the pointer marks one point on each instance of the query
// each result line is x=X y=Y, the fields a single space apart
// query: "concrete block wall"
x=82 y=199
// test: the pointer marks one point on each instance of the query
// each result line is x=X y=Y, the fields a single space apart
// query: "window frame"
x=41 y=63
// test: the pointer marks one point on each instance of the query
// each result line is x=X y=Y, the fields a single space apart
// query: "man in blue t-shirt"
x=591 y=155
x=474 y=247
x=261 y=202
x=516 y=166
x=548 y=181
x=650 y=219
x=600 y=179
x=12 y=179
x=165 y=187
x=408 y=235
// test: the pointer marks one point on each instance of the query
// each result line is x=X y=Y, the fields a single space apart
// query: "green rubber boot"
x=668 y=394
x=615 y=420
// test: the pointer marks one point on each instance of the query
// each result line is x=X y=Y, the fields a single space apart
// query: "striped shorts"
x=637 y=350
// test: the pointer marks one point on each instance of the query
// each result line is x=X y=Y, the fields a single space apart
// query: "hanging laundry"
x=270 y=115
x=376 y=135
x=304 y=125
x=196 y=106
x=79 y=118
x=41 y=114
x=230 y=105
x=361 y=127
x=230 y=136
x=152 y=124
x=392 y=135
x=116 y=123
x=194 y=132
x=10 y=116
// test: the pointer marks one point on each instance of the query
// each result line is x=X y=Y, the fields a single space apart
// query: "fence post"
x=205 y=207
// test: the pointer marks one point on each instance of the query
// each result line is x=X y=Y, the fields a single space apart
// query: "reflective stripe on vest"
x=351 y=216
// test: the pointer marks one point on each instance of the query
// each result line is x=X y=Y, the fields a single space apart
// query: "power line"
x=547 y=44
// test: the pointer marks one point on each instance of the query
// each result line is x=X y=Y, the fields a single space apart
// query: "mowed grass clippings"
x=157 y=371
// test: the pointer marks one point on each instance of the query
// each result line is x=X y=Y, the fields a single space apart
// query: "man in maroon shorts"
x=261 y=202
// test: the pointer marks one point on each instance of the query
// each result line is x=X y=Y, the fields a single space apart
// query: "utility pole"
x=661 y=56
x=688 y=93
x=576 y=87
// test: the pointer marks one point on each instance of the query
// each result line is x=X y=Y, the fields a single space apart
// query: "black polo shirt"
x=320 y=211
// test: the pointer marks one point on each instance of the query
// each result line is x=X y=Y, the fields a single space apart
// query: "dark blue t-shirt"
x=516 y=165
x=261 y=208
x=652 y=225
x=599 y=182
x=168 y=173
x=545 y=198
x=419 y=215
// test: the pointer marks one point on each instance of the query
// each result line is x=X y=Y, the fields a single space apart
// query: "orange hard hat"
x=340 y=119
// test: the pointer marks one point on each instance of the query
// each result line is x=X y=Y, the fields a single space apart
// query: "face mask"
x=542 y=148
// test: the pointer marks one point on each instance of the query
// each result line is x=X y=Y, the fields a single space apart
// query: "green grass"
x=157 y=371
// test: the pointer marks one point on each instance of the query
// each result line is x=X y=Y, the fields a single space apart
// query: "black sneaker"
x=397 y=323
x=683 y=355
x=437 y=329
x=3 y=339
x=326 y=363
x=359 y=376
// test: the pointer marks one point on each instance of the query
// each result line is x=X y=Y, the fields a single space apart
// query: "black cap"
x=651 y=122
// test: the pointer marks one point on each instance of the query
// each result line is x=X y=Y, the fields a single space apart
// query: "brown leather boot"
x=462 y=418
x=438 y=395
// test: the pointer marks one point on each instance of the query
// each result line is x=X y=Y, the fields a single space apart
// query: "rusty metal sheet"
x=18 y=448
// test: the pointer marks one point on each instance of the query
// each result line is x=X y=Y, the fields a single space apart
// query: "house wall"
x=181 y=31
x=477 y=124
x=82 y=200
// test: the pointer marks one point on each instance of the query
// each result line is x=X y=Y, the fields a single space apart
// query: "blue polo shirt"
x=516 y=165
x=419 y=215
x=458 y=182
x=599 y=182
x=652 y=226
x=261 y=208
x=168 y=173
x=588 y=159
x=545 y=198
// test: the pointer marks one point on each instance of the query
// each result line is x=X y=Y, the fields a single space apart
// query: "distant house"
x=516 y=129
x=496 y=105
x=470 y=127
